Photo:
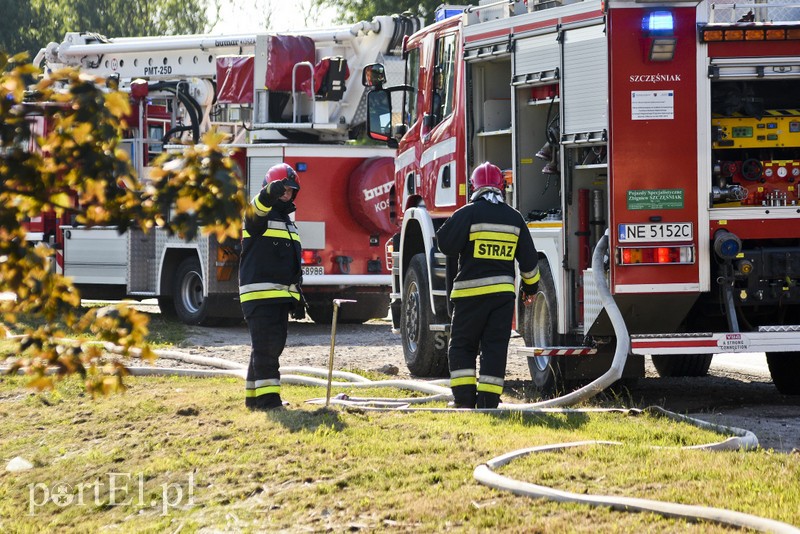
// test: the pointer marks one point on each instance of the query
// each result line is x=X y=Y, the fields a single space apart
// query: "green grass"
x=313 y=469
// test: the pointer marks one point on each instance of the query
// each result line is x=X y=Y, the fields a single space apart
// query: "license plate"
x=313 y=271
x=655 y=232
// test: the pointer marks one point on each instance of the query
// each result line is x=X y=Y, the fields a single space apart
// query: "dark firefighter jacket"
x=269 y=269
x=488 y=238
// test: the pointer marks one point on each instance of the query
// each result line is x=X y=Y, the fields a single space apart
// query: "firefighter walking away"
x=487 y=236
x=269 y=282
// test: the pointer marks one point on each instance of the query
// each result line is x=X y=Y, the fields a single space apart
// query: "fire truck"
x=281 y=98
x=674 y=126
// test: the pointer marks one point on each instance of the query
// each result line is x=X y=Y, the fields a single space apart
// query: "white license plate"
x=655 y=232
x=312 y=271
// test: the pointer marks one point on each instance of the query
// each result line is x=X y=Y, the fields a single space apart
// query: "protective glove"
x=275 y=190
x=529 y=293
x=298 y=311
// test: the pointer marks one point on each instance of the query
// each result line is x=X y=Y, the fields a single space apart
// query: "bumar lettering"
x=493 y=250
x=654 y=78
x=369 y=194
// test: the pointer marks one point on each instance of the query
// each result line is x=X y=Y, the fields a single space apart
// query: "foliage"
x=356 y=10
x=29 y=25
x=78 y=169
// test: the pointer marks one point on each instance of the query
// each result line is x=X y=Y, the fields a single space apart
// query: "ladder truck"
x=674 y=126
x=281 y=98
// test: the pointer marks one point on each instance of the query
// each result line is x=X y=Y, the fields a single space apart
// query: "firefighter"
x=487 y=236
x=269 y=280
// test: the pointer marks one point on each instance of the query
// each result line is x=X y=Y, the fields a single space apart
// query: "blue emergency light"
x=658 y=23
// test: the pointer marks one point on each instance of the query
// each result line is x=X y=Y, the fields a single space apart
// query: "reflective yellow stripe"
x=245 y=233
x=262 y=391
x=463 y=381
x=269 y=294
x=282 y=234
x=493 y=236
x=531 y=280
x=483 y=290
x=261 y=209
x=490 y=388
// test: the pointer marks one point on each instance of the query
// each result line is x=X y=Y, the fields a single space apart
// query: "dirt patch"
x=728 y=397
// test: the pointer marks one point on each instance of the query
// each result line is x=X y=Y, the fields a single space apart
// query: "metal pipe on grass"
x=336 y=304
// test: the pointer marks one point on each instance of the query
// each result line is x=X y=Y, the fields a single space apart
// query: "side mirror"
x=379 y=115
x=374 y=76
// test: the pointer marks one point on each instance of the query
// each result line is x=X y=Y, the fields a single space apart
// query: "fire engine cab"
x=282 y=98
x=674 y=126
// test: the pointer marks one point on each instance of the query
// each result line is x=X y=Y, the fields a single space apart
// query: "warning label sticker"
x=652 y=105
x=734 y=343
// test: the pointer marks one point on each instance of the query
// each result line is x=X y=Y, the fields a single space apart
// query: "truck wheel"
x=784 y=367
x=542 y=331
x=682 y=364
x=425 y=351
x=191 y=306
x=167 y=307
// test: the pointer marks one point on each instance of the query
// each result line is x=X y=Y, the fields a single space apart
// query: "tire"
x=542 y=331
x=191 y=306
x=784 y=367
x=682 y=364
x=425 y=352
x=167 y=307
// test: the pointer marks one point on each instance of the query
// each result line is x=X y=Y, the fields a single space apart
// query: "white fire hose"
x=485 y=473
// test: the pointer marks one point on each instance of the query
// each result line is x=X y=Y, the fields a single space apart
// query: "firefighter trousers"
x=268 y=325
x=480 y=325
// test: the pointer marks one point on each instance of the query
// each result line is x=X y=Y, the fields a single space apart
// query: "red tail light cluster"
x=655 y=255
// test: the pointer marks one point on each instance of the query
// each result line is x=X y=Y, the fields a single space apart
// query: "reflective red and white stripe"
x=556 y=351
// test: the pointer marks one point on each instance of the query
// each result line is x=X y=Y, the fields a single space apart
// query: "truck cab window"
x=410 y=97
x=444 y=78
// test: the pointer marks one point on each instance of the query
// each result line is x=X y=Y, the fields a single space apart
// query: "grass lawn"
x=184 y=455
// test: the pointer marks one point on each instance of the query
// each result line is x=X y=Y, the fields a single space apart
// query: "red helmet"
x=487 y=175
x=282 y=172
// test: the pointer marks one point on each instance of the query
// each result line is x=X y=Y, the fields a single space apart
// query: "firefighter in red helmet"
x=487 y=236
x=269 y=281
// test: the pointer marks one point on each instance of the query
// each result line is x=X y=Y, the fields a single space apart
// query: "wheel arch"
x=550 y=255
x=171 y=257
x=416 y=236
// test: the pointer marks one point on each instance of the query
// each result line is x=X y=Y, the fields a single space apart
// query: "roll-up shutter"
x=487 y=40
x=536 y=60
x=742 y=68
x=258 y=169
x=584 y=83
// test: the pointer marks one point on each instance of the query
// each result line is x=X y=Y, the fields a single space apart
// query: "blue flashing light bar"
x=658 y=23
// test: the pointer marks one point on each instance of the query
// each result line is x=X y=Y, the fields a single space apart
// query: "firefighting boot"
x=269 y=401
x=464 y=396
x=486 y=399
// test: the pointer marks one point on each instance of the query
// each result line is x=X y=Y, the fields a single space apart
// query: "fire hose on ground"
x=486 y=473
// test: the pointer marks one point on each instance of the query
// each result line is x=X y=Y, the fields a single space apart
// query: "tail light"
x=311 y=257
x=655 y=255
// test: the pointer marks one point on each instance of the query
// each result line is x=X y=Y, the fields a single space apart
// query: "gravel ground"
x=738 y=399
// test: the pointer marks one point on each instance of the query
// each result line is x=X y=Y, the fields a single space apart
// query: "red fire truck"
x=282 y=98
x=672 y=125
